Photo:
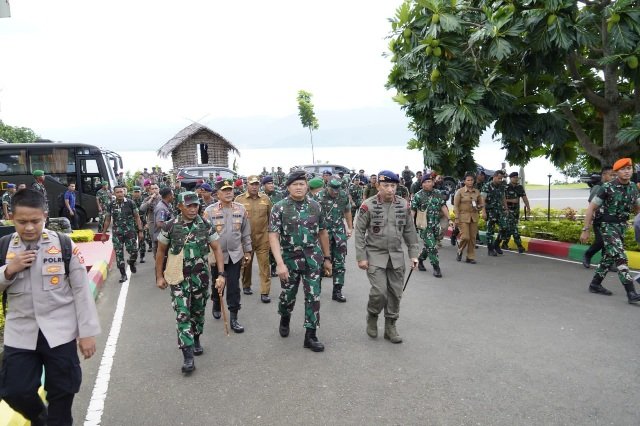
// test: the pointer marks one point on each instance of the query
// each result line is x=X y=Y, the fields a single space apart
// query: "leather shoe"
x=472 y=261
x=599 y=289
x=459 y=256
x=247 y=290
x=436 y=271
x=216 y=311
x=265 y=298
x=586 y=262
x=421 y=265
x=142 y=260
x=311 y=341
x=197 y=347
x=284 y=325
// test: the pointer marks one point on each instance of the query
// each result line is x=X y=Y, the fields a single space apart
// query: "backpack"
x=66 y=248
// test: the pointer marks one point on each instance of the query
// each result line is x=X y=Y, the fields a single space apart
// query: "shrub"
x=82 y=235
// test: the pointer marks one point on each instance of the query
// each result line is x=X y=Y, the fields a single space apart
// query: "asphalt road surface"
x=560 y=198
x=513 y=340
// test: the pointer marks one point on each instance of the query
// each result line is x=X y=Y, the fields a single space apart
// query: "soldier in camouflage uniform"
x=513 y=192
x=336 y=208
x=344 y=181
x=299 y=240
x=103 y=198
x=194 y=236
x=372 y=187
x=38 y=185
x=617 y=200
x=126 y=225
x=151 y=199
x=315 y=186
x=495 y=210
x=6 y=201
x=177 y=190
x=137 y=198
x=402 y=192
x=430 y=201
x=279 y=178
x=356 y=192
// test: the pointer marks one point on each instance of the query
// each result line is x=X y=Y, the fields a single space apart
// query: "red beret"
x=621 y=163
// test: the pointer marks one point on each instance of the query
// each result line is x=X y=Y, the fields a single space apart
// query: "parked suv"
x=189 y=176
x=317 y=169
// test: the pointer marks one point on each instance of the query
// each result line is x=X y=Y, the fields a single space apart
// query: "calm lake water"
x=371 y=159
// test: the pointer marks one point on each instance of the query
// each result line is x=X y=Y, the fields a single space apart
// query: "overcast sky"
x=83 y=63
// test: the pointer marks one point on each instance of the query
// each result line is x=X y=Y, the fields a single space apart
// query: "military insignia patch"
x=376 y=229
x=364 y=208
x=76 y=250
x=55 y=280
x=53 y=269
x=11 y=255
x=53 y=250
x=45 y=236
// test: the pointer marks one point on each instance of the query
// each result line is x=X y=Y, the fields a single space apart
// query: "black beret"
x=297 y=175
x=513 y=174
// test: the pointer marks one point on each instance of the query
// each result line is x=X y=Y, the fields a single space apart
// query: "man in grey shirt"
x=230 y=220
x=162 y=213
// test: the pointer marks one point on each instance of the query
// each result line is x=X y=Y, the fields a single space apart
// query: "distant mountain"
x=359 y=127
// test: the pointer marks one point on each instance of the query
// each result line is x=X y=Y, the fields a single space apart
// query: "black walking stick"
x=406 y=282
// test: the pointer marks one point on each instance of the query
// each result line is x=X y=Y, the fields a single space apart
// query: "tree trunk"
x=313 y=155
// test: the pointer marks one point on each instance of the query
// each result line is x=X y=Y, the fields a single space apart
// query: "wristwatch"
x=586 y=228
x=327 y=258
x=222 y=274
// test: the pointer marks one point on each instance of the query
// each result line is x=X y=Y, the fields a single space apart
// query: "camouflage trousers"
x=493 y=219
x=101 y=216
x=142 y=245
x=511 y=228
x=430 y=238
x=613 y=252
x=307 y=270
x=189 y=300
x=129 y=239
x=338 y=243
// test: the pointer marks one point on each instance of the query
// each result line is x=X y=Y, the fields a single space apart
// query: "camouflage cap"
x=38 y=173
x=136 y=189
x=188 y=198
x=335 y=184
x=316 y=182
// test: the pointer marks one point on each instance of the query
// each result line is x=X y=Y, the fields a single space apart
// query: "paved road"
x=515 y=340
x=560 y=198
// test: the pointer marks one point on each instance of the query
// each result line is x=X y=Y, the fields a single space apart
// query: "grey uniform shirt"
x=380 y=230
x=232 y=225
x=161 y=213
x=42 y=298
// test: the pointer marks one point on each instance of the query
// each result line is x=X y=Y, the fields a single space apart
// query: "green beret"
x=38 y=173
x=104 y=182
x=316 y=182
x=335 y=183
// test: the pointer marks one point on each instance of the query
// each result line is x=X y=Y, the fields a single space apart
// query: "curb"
x=561 y=249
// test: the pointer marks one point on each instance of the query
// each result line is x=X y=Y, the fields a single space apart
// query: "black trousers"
x=598 y=243
x=233 y=285
x=20 y=380
x=73 y=219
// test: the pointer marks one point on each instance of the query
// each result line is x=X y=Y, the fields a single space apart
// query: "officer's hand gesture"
x=20 y=262
x=282 y=271
x=161 y=283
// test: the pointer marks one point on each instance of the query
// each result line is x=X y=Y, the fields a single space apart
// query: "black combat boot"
x=505 y=245
x=123 y=274
x=596 y=286
x=436 y=271
x=490 y=249
x=142 y=253
x=217 y=313
x=337 y=294
x=188 y=365
x=421 y=265
x=233 y=322
x=132 y=265
x=311 y=341
x=521 y=249
x=197 y=347
x=496 y=246
x=632 y=296
x=284 y=325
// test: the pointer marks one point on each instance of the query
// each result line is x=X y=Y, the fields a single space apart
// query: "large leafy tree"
x=307 y=116
x=16 y=134
x=556 y=78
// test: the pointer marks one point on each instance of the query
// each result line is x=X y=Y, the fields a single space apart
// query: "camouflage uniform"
x=279 y=178
x=513 y=215
x=431 y=202
x=275 y=196
x=124 y=229
x=176 y=193
x=6 y=199
x=299 y=224
x=356 y=191
x=189 y=298
x=333 y=210
x=494 y=205
x=104 y=198
x=37 y=186
x=142 y=245
x=402 y=191
x=616 y=201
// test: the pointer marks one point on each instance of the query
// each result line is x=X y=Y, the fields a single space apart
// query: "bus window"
x=89 y=166
x=90 y=176
x=55 y=162
x=13 y=162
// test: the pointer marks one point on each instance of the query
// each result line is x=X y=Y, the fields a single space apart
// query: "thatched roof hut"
x=196 y=139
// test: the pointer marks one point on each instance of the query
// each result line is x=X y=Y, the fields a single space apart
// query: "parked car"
x=317 y=169
x=189 y=176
